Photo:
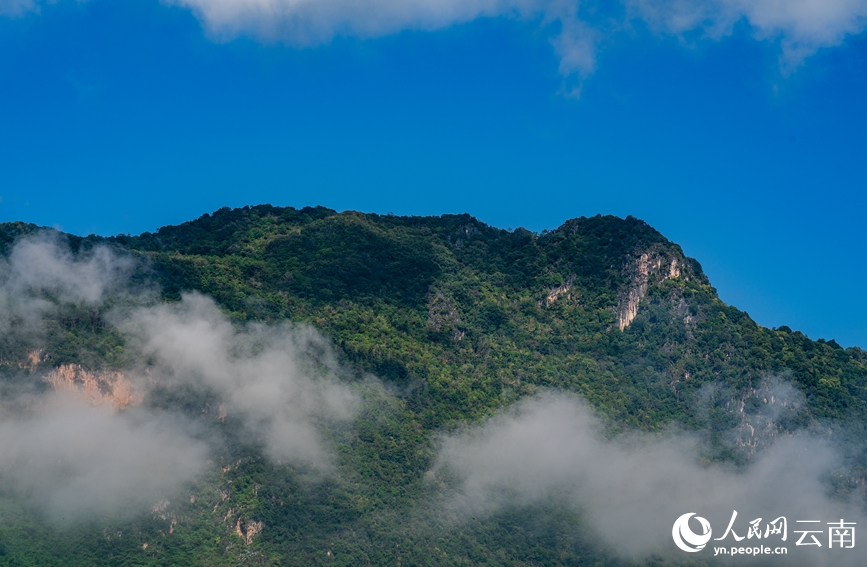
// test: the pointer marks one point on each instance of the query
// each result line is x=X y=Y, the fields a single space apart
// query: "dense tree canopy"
x=458 y=319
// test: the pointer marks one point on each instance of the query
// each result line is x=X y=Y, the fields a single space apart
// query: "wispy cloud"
x=304 y=22
x=74 y=461
x=78 y=443
x=41 y=271
x=15 y=8
x=576 y=29
x=279 y=381
x=630 y=490
x=801 y=27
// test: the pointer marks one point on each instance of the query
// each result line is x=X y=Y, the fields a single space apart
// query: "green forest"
x=437 y=324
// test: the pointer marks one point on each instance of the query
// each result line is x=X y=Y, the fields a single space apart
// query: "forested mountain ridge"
x=459 y=320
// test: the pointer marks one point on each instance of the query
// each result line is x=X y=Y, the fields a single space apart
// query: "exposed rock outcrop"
x=442 y=315
x=638 y=273
x=98 y=388
x=761 y=410
x=248 y=529
x=34 y=357
x=554 y=293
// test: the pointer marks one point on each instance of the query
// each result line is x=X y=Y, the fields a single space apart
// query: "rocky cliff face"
x=553 y=293
x=443 y=315
x=247 y=529
x=655 y=264
x=98 y=388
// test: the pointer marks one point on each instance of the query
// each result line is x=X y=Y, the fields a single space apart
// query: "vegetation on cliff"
x=458 y=320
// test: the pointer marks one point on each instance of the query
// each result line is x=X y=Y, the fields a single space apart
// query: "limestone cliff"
x=553 y=293
x=657 y=263
x=443 y=315
x=247 y=529
x=98 y=388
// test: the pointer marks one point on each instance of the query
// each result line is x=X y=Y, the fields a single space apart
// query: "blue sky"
x=738 y=129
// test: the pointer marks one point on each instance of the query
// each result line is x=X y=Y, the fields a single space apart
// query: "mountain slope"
x=449 y=283
x=458 y=320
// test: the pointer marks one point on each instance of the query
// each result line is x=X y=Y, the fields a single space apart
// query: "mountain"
x=430 y=326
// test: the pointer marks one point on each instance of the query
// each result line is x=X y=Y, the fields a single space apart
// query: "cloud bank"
x=80 y=443
x=801 y=26
x=629 y=491
x=280 y=381
x=75 y=461
x=41 y=271
x=576 y=29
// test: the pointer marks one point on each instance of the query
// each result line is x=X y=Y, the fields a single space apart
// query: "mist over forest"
x=272 y=386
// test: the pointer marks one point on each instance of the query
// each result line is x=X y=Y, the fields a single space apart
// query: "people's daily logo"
x=685 y=538
x=838 y=534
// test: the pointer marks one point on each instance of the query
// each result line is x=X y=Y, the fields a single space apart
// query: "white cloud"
x=311 y=21
x=71 y=455
x=801 y=26
x=42 y=266
x=630 y=490
x=17 y=7
x=278 y=380
x=72 y=459
x=44 y=263
x=576 y=28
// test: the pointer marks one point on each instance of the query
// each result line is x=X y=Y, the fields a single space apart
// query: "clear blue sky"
x=740 y=134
